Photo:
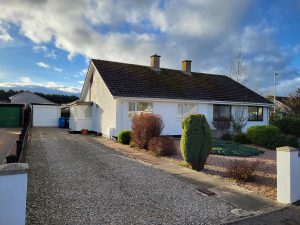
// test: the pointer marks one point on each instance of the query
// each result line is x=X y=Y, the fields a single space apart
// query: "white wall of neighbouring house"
x=45 y=115
x=81 y=117
x=168 y=112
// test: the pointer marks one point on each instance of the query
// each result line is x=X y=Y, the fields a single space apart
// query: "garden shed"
x=81 y=115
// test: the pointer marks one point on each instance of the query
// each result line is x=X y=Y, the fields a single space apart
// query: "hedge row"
x=287 y=125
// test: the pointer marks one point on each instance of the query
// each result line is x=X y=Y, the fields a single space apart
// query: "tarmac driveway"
x=75 y=180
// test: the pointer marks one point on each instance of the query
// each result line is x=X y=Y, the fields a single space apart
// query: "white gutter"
x=193 y=101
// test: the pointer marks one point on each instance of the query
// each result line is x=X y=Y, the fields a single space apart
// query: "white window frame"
x=185 y=109
x=135 y=111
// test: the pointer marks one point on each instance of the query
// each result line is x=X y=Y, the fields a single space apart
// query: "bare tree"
x=237 y=67
x=293 y=101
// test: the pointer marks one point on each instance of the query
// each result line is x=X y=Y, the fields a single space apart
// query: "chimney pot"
x=155 y=61
x=187 y=66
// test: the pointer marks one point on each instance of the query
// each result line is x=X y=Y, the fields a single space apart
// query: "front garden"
x=243 y=158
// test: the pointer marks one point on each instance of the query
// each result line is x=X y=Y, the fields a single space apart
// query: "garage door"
x=10 y=116
x=45 y=116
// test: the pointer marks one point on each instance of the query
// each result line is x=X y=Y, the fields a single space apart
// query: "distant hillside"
x=56 y=98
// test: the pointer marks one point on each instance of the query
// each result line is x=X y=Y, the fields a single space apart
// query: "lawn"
x=230 y=148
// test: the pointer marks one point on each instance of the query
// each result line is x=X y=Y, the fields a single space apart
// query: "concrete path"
x=75 y=179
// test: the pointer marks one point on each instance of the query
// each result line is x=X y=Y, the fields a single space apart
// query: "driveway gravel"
x=76 y=180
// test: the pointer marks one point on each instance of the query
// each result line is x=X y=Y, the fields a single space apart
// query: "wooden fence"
x=18 y=156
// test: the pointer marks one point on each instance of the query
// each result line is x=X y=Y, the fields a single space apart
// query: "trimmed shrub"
x=144 y=127
x=196 y=140
x=265 y=135
x=288 y=125
x=241 y=138
x=162 y=146
x=226 y=137
x=242 y=171
x=292 y=141
x=124 y=137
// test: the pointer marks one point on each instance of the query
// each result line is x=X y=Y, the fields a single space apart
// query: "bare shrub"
x=239 y=120
x=162 y=146
x=222 y=124
x=241 y=170
x=144 y=127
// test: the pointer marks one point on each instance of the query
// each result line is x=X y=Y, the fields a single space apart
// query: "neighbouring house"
x=41 y=111
x=27 y=97
x=280 y=105
x=113 y=92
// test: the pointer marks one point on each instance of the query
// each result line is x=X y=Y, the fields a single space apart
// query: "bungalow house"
x=27 y=97
x=282 y=108
x=113 y=92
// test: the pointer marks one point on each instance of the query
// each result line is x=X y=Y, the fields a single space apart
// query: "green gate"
x=10 y=116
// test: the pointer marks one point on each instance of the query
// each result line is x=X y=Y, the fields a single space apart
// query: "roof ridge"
x=44 y=99
x=164 y=68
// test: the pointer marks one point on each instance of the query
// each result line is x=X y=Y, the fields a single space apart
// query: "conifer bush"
x=124 y=137
x=196 y=141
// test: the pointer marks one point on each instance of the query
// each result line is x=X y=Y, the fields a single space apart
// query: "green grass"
x=230 y=148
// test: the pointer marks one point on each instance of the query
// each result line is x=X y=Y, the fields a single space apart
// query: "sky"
x=47 y=45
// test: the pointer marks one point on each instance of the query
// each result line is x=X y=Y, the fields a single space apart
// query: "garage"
x=11 y=115
x=45 y=115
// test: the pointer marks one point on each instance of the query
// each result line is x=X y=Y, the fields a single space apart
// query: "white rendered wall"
x=106 y=107
x=13 y=191
x=168 y=112
x=80 y=118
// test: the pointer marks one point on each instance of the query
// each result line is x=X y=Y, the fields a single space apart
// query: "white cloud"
x=81 y=81
x=83 y=72
x=39 y=48
x=29 y=84
x=4 y=35
x=206 y=31
x=25 y=80
x=58 y=69
x=51 y=54
x=44 y=65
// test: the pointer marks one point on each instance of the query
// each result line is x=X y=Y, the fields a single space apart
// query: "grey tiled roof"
x=28 y=97
x=129 y=80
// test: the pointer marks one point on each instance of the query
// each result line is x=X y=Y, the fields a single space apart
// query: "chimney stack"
x=155 y=61
x=187 y=66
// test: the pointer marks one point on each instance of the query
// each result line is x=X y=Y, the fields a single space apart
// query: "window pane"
x=194 y=109
x=252 y=112
x=131 y=106
x=216 y=111
x=222 y=111
x=260 y=113
x=225 y=111
x=179 y=111
x=144 y=107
